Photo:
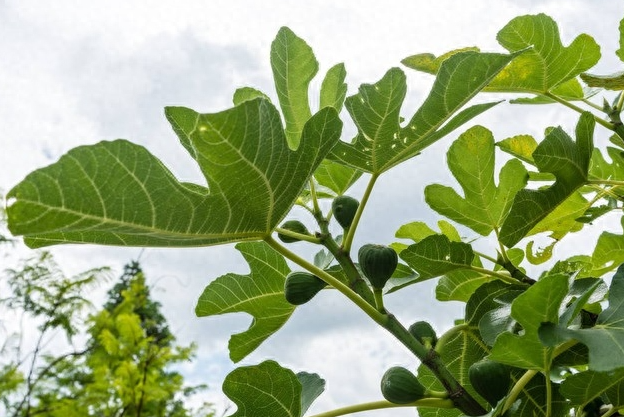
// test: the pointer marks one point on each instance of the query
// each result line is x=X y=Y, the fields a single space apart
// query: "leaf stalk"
x=379 y=405
x=348 y=241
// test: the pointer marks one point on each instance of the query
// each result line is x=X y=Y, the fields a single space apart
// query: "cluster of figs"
x=491 y=380
x=377 y=262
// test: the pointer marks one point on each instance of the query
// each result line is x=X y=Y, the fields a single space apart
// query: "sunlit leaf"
x=541 y=255
x=546 y=67
x=601 y=169
x=260 y=294
x=484 y=204
x=117 y=193
x=549 y=64
x=521 y=146
x=415 y=231
x=620 y=51
x=564 y=218
x=568 y=161
x=430 y=63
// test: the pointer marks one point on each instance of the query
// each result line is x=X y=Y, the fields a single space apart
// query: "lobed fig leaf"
x=232 y=293
x=568 y=160
x=484 y=205
x=117 y=193
x=269 y=389
x=382 y=143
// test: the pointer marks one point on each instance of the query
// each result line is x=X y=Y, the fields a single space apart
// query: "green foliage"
x=551 y=325
x=239 y=293
x=471 y=160
x=125 y=365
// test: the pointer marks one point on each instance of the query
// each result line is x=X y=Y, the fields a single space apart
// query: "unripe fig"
x=344 y=208
x=400 y=386
x=378 y=263
x=294 y=226
x=300 y=287
x=490 y=379
x=424 y=333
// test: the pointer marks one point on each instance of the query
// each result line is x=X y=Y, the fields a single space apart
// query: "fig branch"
x=460 y=397
x=380 y=405
x=348 y=241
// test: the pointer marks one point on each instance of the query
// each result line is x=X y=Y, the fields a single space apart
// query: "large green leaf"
x=568 y=161
x=294 y=66
x=117 y=193
x=269 y=390
x=260 y=294
x=382 y=143
x=436 y=255
x=548 y=66
x=539 y=304
x=608 y=253
x=484 y=205
x=583 y=387
x=605 y=338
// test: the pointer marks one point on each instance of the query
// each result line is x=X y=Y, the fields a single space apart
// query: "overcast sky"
x=75 y=73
